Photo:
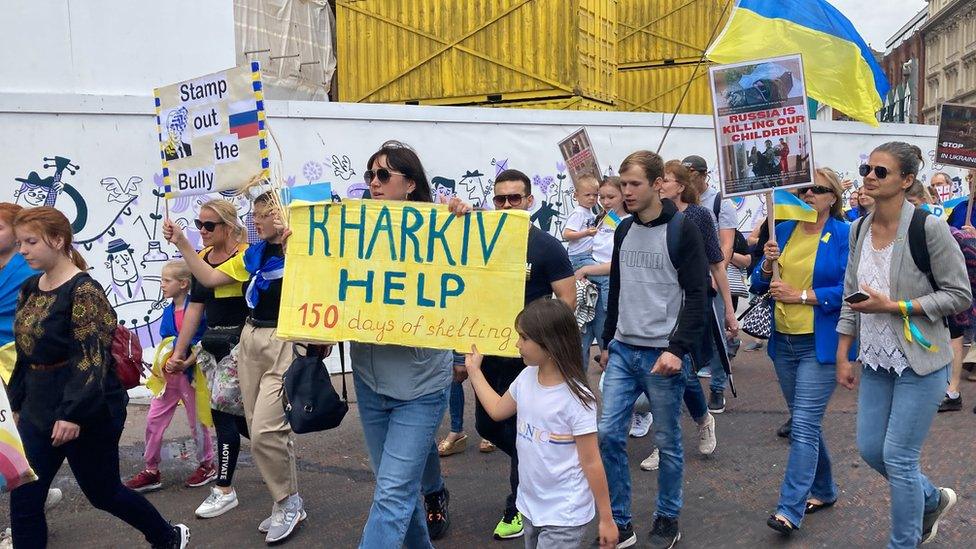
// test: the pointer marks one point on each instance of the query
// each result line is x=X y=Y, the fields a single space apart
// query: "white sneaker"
x=54 y=497
x=640 y=424
x=6 y=541
x=652 y=462
x=704 y=373
x=217 y=503
x=266 y=523
x=706 y=436
x=183 y=531
x=284 y=518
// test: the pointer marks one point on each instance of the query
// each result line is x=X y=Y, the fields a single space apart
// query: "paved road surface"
x=727 y=496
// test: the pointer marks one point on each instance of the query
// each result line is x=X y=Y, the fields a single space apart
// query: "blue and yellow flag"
x=788 y=206
x=839 y=67
x=611 y=219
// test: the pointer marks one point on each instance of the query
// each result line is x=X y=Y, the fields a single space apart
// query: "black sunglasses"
x=879 y=171
x=514 y=199
x=209 y=226
x=817 y=189
x=382 y=174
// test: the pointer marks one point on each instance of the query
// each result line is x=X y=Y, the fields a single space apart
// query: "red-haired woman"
x=67 y=401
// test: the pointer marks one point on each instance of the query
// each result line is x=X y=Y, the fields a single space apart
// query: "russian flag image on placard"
x=243 y=119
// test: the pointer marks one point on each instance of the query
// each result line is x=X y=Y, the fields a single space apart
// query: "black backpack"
x=310 y=401
x=916 y=243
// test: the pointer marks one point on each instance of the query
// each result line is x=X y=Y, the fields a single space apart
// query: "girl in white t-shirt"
x=561 y=474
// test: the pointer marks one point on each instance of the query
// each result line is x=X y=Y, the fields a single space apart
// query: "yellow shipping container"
x=655 y=31
x=658 y=89
x=575 y=103
x=450 y=52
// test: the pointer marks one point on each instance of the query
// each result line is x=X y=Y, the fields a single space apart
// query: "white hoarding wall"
x=101 y=157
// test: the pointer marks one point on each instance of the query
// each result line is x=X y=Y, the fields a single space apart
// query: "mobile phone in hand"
x=857 y=297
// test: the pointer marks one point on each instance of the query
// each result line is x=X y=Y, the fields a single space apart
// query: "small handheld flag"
x=611 y=219
x=788 y=206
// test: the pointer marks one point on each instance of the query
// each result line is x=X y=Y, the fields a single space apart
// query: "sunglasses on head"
x=209 y=226
x=382 y=174
x=817 y=189
x=879 y=171
x=501 y=199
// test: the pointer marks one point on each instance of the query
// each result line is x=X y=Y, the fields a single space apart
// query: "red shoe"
x=205 y=473
x=145 y=481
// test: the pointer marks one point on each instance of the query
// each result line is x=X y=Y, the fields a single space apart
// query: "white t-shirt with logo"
x=553 y=490
x=603 y=241
x=580 y=220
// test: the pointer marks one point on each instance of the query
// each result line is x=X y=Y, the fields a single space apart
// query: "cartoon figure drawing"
x=137 y=299
x=43 y=191
x=478 y=188
x=177 y=146
x=444 y=188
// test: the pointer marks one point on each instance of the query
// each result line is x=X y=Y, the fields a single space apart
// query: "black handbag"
x=310 y=401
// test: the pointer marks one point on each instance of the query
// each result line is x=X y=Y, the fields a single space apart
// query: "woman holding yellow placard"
x=402 y=394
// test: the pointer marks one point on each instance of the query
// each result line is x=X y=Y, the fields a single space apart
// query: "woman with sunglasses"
x=807 y=298
x=224 y=237
x=898 y=318
x=262 y=358
x=402 y=394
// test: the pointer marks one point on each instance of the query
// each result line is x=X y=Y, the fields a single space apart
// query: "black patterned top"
x=64 y=368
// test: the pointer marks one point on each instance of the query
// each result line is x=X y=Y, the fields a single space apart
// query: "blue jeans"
x=457 y=407
x=894 y=414
x=580 y=260
x=594 y=328
x=807 y=386
x=719 y=378
x=400 y=440
x=694 y=395
x=628 y=375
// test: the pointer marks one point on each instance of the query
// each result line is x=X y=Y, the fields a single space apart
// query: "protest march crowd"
x=880 y=304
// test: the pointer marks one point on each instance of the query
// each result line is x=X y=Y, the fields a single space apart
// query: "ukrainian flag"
x=839 y=67
x=611 y=220
x=788 y=206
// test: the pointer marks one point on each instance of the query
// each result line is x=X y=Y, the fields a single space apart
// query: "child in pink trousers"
x=178 y=388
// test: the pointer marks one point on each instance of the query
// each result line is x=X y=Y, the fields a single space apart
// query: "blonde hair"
x=586 y=179
x=178 y=269
x=833 y=179
x=228 y=214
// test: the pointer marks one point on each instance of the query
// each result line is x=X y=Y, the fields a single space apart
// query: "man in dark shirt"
x=548 y=273
x=654 y=319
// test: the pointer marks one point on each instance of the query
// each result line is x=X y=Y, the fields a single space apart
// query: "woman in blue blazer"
x=803 y=344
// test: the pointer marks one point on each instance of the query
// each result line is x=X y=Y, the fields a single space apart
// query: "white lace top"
x=879 y=343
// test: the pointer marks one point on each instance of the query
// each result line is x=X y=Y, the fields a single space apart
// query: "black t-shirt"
x=547 y=262
x=223 y=311
x=269 y=301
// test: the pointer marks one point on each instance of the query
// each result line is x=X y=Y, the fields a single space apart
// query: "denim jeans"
x=894 y=414
x=629 y=374
x=694 y=395
x=581 y=260
x=400 y=440
x=457 y=407
x=94 y=460
x=807 y=386
x=719 y=378
x=593 y=330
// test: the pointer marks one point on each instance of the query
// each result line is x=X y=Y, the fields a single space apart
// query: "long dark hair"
x=404 y=159
x=551 y=324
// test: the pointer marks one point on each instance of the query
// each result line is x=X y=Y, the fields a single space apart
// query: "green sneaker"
x=510 y=527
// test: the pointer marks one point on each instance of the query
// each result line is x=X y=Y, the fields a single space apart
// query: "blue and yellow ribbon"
x=912 y=333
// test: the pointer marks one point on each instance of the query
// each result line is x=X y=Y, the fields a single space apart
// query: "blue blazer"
x=828 y=283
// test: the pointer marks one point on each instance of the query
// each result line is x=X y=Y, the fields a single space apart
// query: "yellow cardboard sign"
x=404 y=273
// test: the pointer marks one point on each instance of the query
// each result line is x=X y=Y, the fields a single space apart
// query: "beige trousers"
x=261 y=362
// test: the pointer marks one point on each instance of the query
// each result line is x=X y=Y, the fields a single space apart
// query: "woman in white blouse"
x=898 y=314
